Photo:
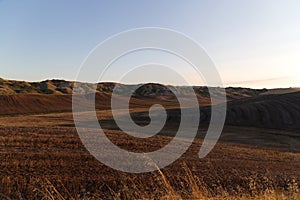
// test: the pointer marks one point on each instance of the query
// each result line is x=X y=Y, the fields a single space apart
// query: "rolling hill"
x=246 y=107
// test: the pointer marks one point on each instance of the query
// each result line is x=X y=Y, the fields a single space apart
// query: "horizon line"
x=68 y=80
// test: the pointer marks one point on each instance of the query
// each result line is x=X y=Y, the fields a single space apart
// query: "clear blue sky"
x=254 y=43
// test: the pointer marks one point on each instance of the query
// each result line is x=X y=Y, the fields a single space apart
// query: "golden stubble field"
x=42 y=157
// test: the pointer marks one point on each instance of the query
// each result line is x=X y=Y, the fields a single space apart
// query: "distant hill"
x=276 y=108
x=59 y=87
x=282 y=91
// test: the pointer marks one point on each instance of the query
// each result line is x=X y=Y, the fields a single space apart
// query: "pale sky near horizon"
x=253 y=43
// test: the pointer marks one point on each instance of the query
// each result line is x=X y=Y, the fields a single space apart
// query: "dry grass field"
x=42 y=157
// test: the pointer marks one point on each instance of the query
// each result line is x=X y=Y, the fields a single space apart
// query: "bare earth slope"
x=278 y=111
x=34 y=103
x=20 y=104
x=271 y=111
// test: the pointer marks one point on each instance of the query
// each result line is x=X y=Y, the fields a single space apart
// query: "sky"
x=252 y=43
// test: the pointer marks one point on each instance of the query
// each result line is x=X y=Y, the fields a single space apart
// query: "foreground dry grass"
x=46 y=160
